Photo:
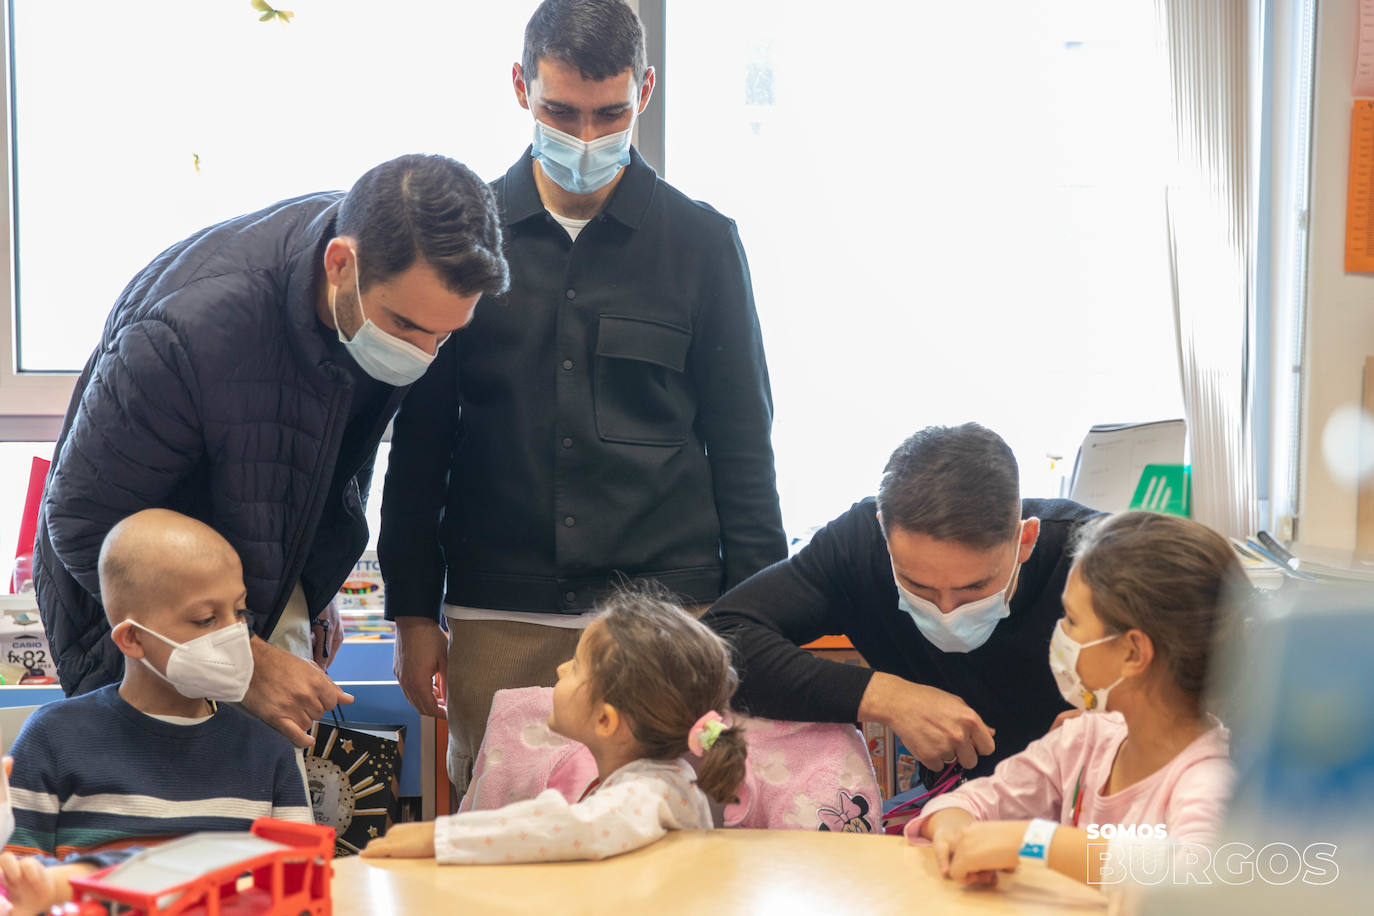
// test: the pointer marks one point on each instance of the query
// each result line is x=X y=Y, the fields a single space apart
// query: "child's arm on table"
x=546 y=828
x=976 y=851
x=33 y=887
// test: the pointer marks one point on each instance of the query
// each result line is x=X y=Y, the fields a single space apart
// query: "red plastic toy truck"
x=279 y=869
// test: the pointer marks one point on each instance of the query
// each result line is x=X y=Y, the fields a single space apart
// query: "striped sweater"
x=92 y=771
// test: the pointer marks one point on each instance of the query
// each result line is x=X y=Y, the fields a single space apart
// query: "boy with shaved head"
x=159 y=754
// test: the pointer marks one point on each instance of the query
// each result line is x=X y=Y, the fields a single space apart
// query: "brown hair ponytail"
x=722 y=767
x=663 y=670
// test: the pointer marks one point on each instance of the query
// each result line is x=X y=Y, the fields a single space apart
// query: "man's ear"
x=1030 y=533
x=522 y=90
x=340 y=259
x=126 y=640
x=646 y=89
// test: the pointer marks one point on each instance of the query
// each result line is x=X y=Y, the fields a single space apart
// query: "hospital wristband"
x=1035 y=845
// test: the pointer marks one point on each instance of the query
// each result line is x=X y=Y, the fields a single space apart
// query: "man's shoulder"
x=1058 y=513
x=698 y=214
x=860 y=519
x=853 y=537
x=217 y=270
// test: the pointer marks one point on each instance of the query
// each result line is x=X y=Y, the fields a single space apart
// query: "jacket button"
x=570 y=597
x=571 y=294
x=569 y=522
x=567 y=364
x=567 y=441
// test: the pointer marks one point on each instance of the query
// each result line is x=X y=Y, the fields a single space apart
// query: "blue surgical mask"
x=385 y=357
x=576 y=166
x=966 y=627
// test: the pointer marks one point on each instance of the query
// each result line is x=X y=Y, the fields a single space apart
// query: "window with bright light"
x=952 y=211
x=134 y=126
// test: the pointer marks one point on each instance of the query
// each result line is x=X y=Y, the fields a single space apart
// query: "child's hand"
x=982 y=849
x=944 y=830
x=31 y=888
x=941 y=828
x=403 y=841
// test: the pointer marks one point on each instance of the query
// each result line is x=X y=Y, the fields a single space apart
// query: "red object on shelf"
x=28 y=522
x=28 y=525
x=291 y=881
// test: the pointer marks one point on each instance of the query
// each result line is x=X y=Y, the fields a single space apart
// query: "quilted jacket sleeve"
x=135 y=434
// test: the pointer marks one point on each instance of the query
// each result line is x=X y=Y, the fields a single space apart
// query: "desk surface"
x=719 y=871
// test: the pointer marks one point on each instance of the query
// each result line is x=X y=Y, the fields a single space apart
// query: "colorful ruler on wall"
x=1359 y=204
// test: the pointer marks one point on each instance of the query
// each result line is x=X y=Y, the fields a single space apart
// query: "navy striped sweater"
x=91 y=771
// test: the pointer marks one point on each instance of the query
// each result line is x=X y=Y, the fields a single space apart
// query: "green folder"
x=1165 y=488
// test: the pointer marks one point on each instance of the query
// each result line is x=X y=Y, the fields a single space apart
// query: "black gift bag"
x=353 y=772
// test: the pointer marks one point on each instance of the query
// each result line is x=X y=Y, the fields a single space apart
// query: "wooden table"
x=708 y=872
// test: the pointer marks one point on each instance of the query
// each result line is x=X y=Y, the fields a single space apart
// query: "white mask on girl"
x=1064 y=663
x=216 y=666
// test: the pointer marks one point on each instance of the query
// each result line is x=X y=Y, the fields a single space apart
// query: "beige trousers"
x=485 y=656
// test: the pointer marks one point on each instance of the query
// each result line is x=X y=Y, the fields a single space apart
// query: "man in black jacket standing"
x=610 y=417
x=244 y=378
x=948 y=584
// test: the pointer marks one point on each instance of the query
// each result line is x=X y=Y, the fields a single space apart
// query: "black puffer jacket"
x=212 y=392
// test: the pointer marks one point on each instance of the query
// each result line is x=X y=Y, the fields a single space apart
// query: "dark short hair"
x=1174 y=579
x=601 y=38
x=430 y=208
x=953 y=483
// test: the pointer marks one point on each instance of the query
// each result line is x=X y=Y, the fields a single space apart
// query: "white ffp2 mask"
x=1064 y=663
x=216 y=666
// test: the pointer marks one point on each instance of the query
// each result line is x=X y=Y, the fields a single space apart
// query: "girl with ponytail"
x=647 y=691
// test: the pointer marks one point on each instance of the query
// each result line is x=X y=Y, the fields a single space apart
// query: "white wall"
x=1340 y=329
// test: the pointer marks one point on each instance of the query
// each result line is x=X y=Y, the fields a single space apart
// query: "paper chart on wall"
x=1359 y=202
x=1364 y=55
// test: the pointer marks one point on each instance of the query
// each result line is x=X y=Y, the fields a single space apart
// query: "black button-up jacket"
x=610 y=415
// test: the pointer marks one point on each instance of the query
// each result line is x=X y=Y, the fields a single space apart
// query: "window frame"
x=32 y=404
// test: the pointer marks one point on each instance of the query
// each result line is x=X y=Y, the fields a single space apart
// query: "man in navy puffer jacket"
x=244 y=378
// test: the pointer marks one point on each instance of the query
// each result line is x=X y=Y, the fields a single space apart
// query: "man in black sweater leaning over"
x=948 y=584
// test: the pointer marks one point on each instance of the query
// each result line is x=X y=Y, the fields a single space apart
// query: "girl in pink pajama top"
x=1143 y=608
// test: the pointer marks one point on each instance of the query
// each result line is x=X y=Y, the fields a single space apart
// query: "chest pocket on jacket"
x=641 y=394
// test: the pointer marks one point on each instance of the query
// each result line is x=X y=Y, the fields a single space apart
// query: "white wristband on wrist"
x=1035 y=845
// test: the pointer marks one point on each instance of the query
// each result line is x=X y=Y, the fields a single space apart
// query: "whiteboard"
x=1109 y=462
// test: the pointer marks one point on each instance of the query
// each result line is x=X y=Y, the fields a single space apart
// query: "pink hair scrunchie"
x=704 y=733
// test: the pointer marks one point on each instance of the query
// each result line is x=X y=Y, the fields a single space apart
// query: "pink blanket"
x=799 y=775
